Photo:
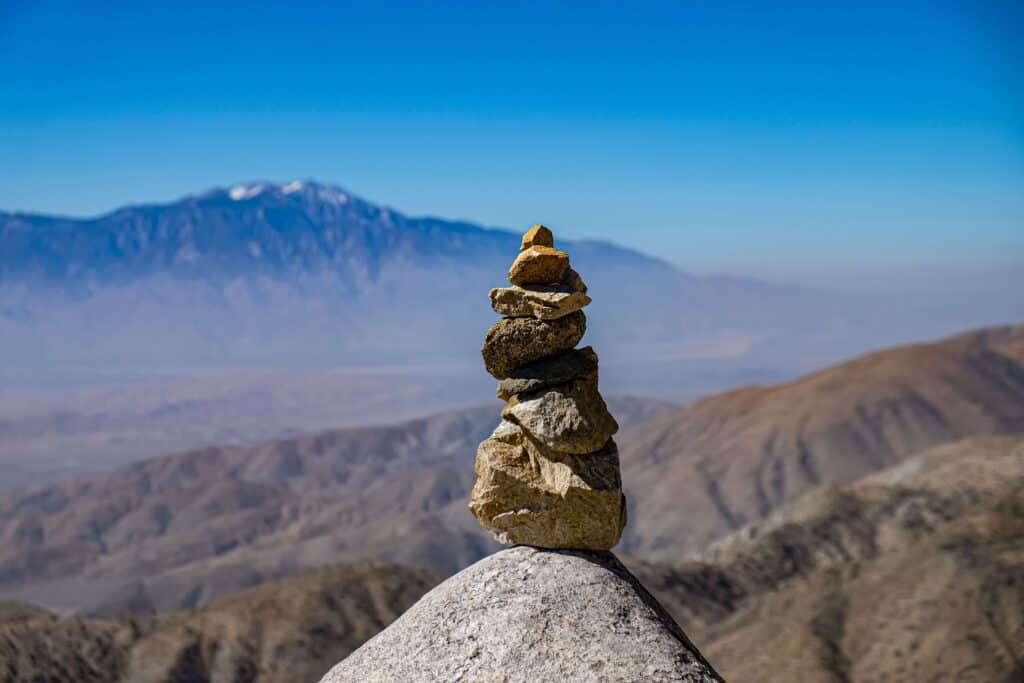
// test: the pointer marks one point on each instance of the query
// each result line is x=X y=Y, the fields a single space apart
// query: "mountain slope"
x=700 y=471
x=292 y=630
x=913 y=573
x=183 y=529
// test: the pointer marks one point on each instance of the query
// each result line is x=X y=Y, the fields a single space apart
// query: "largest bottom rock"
x=525 y=615
x=528 y=494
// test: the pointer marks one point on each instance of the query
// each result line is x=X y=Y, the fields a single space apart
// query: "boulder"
x=525 y=615
x=549 y=372
x=537 y=236
x=546 y=302
x=512 y=342
x=526 y=493
x=570 y=417
x=538 y=266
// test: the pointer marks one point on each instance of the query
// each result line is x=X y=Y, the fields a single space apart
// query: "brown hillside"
x=698 y=472
x=291 y=630
x=181 y=530
x=915 y=573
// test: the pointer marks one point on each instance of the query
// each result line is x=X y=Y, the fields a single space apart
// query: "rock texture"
x=537 y=236
x=527 y=492
x=571 y=417
x=528 y=615
x=549 y=475
x=512 y=342
x=549 y=372
x=538 y=266
x=546 y=302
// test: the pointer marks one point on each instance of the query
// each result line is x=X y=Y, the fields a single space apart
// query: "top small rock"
x=537 y=236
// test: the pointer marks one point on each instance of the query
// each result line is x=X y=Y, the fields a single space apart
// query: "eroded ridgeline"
x=549 y=474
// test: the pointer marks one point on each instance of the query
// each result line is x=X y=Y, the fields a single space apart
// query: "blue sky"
x=769 y=137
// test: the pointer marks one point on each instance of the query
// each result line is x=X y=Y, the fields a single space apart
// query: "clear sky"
x=717 y=135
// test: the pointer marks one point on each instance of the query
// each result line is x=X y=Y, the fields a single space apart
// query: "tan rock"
x=537 y=236
x=538 y=266
x=528 y=494
x=512 y=342
x=569 y=418
x=549 y=372
x=546 y=302
x=573 y=281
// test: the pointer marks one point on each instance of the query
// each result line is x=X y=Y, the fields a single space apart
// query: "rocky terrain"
x=698 y=472
x=530 y=614
x=183 y=529
x=911 y=573
x=292 y=630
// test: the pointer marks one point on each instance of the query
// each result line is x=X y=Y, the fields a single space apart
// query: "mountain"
x=292 y=630
x=184 y=529
x=181 y=530
x=698 y=472
x=912 y=573
x=301 y=273
x=306 y=275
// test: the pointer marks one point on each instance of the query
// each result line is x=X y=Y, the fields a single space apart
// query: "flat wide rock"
x=513 y=342
x=546 y=302
x=526 y=615
x=570 y=417
x=527 y=493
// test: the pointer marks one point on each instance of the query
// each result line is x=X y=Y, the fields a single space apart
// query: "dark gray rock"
x=525 y=615
x=513 y=342
x=549 y=372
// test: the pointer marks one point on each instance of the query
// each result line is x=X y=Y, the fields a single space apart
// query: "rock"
x=512 y=342
x=549 y=372
x=573 y=281
x=546 y=302
x=526 y=493
x=525 y=615
x=537 y=236
x=569 y=418
x=538 y=266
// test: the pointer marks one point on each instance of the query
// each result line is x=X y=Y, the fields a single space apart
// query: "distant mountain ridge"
x=265 y=228
x=310 y=274
x=304 y=274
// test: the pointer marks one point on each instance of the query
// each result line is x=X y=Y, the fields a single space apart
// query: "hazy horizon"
x=878 y=141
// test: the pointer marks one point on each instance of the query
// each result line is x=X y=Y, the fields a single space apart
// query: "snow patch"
x=240 y=192
x=293 y=187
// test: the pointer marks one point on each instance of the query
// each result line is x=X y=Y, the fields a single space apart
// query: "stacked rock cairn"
x=549 y=474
